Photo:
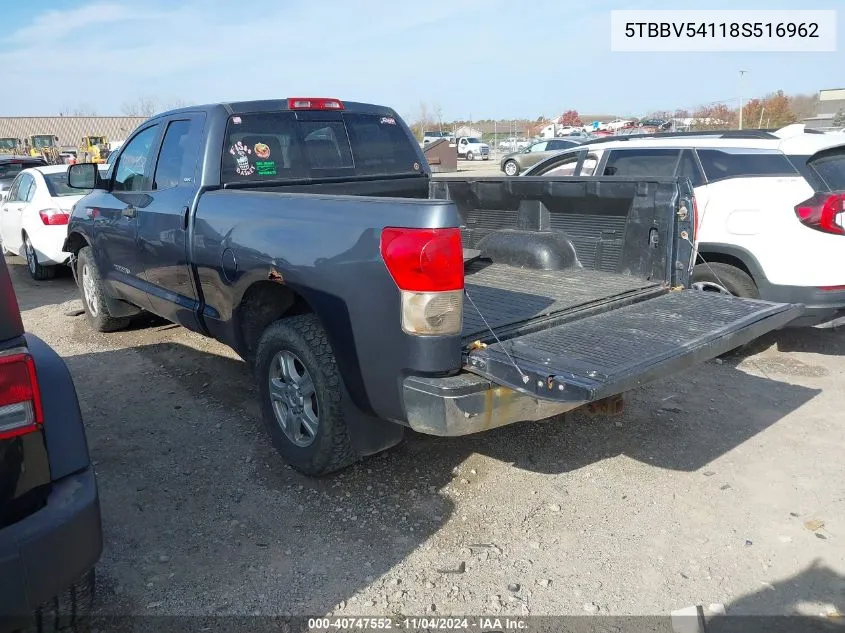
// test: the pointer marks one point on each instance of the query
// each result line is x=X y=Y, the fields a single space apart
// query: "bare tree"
x=142 y=106
x=422 y=120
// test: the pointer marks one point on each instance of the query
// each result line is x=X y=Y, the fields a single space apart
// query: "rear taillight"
x=314 y=103
x=20 y=399
x=694 y=219
x=428 y=267
x=823 y=212
x=53 y=217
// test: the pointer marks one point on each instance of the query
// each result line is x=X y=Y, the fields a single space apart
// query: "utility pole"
x=741 y=73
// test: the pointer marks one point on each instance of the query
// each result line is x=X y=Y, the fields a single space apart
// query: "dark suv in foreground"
x=50 y=531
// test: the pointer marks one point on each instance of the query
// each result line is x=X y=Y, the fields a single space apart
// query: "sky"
x=472 y=59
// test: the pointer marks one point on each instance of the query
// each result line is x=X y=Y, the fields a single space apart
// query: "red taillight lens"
x=694 y=219
x=20 y=399
x=53 y=217
x=424 y=260
x=314 y=103
x=823 y=212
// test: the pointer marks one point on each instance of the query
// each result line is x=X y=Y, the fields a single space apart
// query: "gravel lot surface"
x=722 y=485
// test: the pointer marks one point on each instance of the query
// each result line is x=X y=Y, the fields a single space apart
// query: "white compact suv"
x=770 y=207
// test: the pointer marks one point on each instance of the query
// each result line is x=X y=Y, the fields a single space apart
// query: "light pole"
x=741 y=73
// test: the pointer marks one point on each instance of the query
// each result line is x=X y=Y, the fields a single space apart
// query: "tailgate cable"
x=522 y=375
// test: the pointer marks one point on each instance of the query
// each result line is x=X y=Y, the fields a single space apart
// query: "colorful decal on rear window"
x=388 y=120
x=266 y=167
x=241 y=153
x=416 y=166
x=261 y=150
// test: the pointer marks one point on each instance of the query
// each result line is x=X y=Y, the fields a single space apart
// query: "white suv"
x=770 y=207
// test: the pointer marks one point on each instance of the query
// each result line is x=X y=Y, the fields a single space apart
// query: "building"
x=831 y=102
x=69 y=129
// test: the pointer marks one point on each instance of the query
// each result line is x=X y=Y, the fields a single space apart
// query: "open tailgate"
x=607 y=354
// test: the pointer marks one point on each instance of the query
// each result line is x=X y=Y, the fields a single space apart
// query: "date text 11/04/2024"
x=482 y=625
x=722 y=29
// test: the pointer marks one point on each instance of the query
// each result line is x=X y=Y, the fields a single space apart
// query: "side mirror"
x=84 y=176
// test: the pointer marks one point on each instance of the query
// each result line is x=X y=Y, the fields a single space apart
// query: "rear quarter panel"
x=327 y=249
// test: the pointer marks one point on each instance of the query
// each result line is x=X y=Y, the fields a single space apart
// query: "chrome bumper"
x=466 y=403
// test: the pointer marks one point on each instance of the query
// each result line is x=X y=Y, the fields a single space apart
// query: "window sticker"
x=261 y=150
x=388 y=120
x=241 y=153
x=266 y=167
x=236 y=120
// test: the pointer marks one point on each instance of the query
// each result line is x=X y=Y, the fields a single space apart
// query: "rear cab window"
x=648 y=163
x=281 y=145
x=721 y=164
x=11 y=168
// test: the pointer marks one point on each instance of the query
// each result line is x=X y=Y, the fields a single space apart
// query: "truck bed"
x=511 y=297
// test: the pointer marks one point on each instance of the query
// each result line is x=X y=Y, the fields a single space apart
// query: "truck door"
x=116 y=212
x=163 y=228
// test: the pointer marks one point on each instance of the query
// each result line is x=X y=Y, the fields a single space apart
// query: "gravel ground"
x=721 y=485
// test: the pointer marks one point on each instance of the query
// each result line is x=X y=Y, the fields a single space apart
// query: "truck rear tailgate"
x=612 y=352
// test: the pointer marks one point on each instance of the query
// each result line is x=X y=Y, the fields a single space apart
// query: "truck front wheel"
x=300 y=390
x=91 y=287
x=470 y=156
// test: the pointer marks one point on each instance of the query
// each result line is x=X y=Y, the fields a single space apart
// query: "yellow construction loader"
x=94 y=149
x=9 y=145
x=46 y=146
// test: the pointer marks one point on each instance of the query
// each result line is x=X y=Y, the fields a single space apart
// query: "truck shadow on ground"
x=194 y=495
x=829 y=342
x=33 y=294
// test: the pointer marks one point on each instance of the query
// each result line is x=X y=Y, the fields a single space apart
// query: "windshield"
x=473 y=139
x=276 y=145
x=96 y=140
x=40 y=142
x=8 y=143
x=58 y=188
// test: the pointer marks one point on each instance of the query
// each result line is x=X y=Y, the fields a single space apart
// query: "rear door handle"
x=128 y=212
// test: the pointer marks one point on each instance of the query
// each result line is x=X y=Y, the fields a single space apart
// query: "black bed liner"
x=509 y=296
x=612 y=352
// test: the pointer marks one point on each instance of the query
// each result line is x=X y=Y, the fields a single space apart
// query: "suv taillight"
x=823 y=212
x=20 y=398
x=428 y=267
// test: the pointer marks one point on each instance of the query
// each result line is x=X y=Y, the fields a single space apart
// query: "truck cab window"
x=171 y=157
x=690 y=169
x=135 y=163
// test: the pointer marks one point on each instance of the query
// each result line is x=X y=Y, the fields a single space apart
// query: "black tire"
x=470 y=156
x=514 y=165
x=67 y=611
x=97 y=315
x=36 y=270
x=331 y=448
x=718 y=277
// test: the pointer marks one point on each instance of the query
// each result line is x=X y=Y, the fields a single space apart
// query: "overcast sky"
x=475 y=58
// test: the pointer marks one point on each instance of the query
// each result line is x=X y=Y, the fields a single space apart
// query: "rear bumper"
x=820 y=306
x=466 y=404
x=45 y=553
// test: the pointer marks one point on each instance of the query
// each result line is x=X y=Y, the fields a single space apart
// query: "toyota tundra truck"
x=308 y=235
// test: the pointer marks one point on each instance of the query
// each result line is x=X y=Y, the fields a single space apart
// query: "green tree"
x=839 y=119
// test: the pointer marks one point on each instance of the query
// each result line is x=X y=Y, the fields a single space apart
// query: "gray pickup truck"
x=308 y=235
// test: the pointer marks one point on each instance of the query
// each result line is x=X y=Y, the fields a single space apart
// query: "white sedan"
x=34 y=217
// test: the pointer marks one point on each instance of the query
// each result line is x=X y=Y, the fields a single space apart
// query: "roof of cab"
x=273 y=105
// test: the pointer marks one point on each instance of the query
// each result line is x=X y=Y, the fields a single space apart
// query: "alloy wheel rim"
x=89 y=290
x=31 y=260
x=294 y=398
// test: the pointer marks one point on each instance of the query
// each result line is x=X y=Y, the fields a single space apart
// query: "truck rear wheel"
x=724 y=279
x=470 y=156
x=91 y=288
x=300 y=390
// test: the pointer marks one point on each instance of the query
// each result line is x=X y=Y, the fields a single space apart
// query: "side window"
x=648 y=163
x=171 y=157
x=33 y=186
x=568 y=165
x=690 y=169
x=720 y=164
x=13 y=190
x=132 y=172
x=24 y=185
x=538 y=147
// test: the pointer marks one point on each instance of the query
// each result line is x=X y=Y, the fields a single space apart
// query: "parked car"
x=11 y=166
x=469 y=147
x=430 y=137
x=34 y=217
x=771 y=207
x=349 y=305
x=515 y=162
x=50 y=530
